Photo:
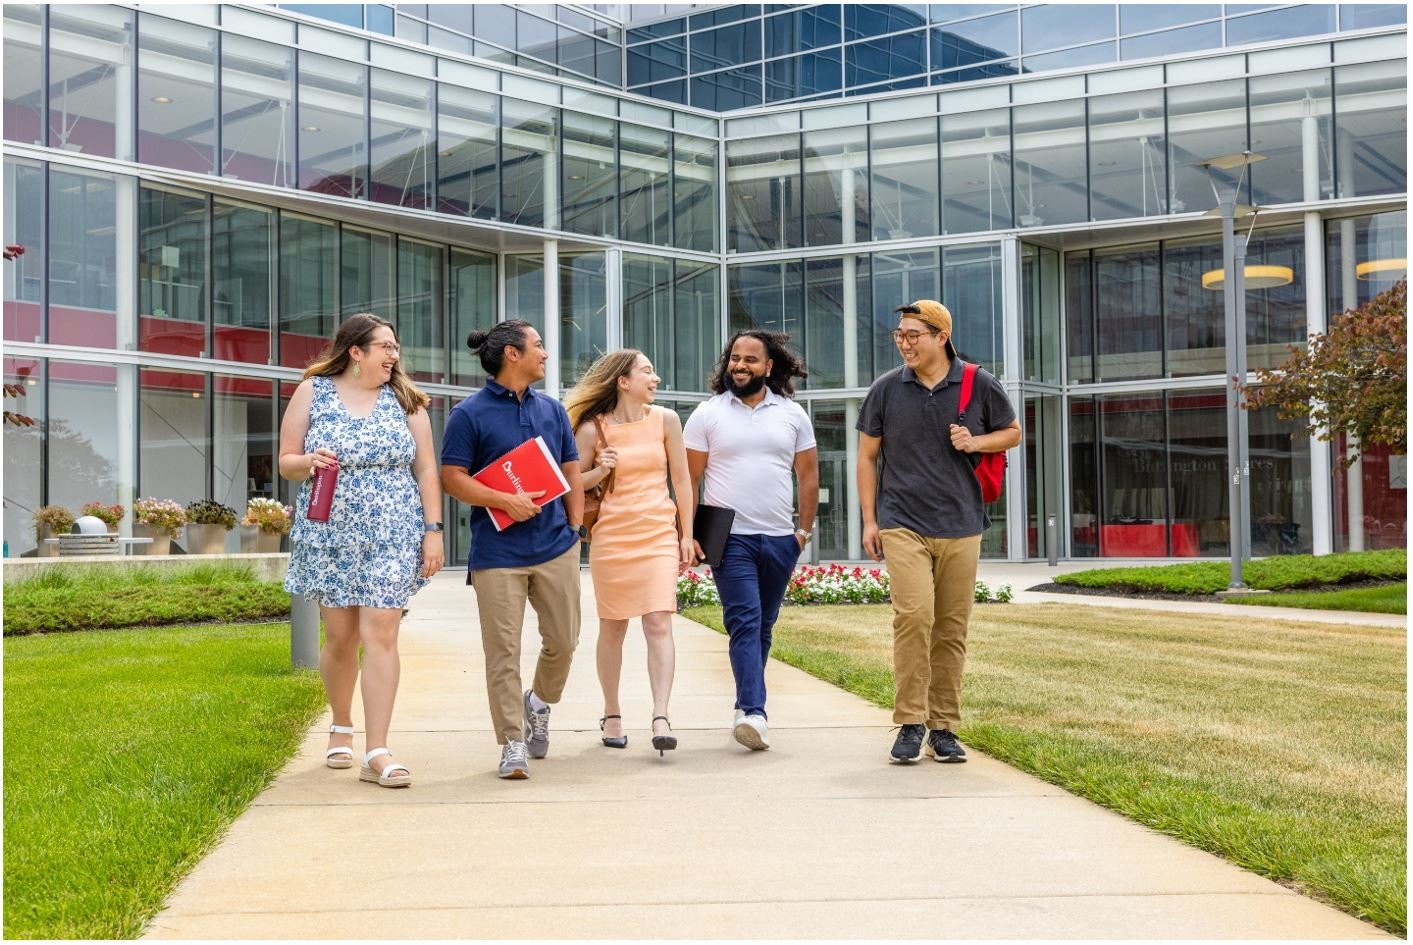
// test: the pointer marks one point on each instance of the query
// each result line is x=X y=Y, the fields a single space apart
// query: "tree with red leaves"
x=1353 y=379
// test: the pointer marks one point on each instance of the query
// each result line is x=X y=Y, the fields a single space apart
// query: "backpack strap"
x=968 y=377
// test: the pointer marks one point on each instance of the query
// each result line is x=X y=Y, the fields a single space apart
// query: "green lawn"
x=78 y=598
x=127 y=754
x=1383 y=599
x=1288 y=572
x=1278 y=745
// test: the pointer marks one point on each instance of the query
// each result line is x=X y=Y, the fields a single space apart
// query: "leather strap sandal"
x=609 y=742
x=664 y=743
x=389 y=776
x=340 y=756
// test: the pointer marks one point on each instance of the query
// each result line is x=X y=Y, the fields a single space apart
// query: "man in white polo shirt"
x=751 y=441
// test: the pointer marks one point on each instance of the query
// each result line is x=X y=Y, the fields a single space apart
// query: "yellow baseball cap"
x=935 y=314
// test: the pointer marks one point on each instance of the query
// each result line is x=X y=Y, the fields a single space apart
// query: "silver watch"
x=804 y=534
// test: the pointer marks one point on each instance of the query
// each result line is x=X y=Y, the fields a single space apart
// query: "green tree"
x=1353 y=379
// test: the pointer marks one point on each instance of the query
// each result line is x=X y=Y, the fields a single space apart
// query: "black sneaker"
x=942 y=746
x=908 y=746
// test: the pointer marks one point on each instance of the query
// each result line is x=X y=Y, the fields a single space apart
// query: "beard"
x=748 y=389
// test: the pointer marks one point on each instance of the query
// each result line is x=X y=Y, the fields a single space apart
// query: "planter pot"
x=46 y=549
x=206 y=539
x=254 y=541
x=161 y=540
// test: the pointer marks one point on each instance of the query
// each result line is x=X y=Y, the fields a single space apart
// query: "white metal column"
x=125 y=286
x=553 y=323
x=1012 y=318
x=1321 y=483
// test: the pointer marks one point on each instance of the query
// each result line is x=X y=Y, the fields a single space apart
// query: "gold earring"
x=357 y=369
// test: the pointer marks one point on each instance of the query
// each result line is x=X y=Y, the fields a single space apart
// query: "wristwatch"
x=431 y=527
x=804 y=534
x=581 y=531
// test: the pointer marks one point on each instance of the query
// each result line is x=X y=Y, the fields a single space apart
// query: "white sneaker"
x=753 y=732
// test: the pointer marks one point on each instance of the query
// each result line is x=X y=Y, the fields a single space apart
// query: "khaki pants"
x=933 y=584
x=552 y=588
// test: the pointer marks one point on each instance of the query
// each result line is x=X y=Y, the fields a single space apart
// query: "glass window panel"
x=1128 y=303
x=727 y=46
x=1197 y=458
x=768 y=296
x=89 y=46
x=647 y=312
x=410 y=29
x=1133 y=507
x=802 y=29
x=24 y=91
x=1084 y=478
x=803 y=75
x=23 y=455
x=1071 y=58
x=1053 y=26
x=401 y=139
x=971 y=290
x=1281 y=516
x=83 y=259
x=589 y=175
x=694 y=194
x=876 y=19
x=1187 y=39
x=1050 y=164
x=174 y=436
x=82 y=435
x=1040 y=307
x=534 y=36
x=899 y=278
x=257 y=111
x=1303 y=20
x=1359 y=16
x=379 y=18
x=1275 y=317
x=890 y=58
x=1366 y=255
x=1141 y=17
x=454 y=16
x=1127 y=173
x=349 y=14
x=1371 y=133
x=1379 y=511
x=473 y=308
x=644 y=184
x=763 y=184
x=835 y=190
x=583 y=314
x=171 y=273
x=1194 y=316
x=724 y=14
x=495 y=23
x=468 y=182
x=724 y=91
x=696 y=313
x=1204 y=122
x=976 y=171
x=904 y=178
x=24 y=277
x=577 y=53
x=419 y=310
x=1292 y=125
x=333 y=157
x=608 y=64
x=366 y=274
x=308 y=289
x=176 y=95
x=944 y=12
x=244 y=461
x=990 y=71
x=525 y=290
x=822 y=340
x=654 y=30
x=529 y=164
x=675 y=92
x=1079 y=318
x=243 y=274
x=655 y=62
x=990 y=37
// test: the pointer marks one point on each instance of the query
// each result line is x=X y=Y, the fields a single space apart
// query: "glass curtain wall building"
x=203 y=191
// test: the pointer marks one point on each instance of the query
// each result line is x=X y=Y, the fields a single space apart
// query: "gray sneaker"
x=513 y=761
x=536 y=729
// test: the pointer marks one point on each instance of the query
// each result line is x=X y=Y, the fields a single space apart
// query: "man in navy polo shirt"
x=535 y=559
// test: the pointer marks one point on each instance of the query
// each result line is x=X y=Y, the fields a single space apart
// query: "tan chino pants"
x=933 y=584
x=552 y=588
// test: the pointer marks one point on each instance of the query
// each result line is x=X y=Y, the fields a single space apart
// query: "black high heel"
x=620 y=742
x=664 y=743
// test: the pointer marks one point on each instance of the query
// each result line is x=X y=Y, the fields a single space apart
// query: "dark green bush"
x=1284 y=573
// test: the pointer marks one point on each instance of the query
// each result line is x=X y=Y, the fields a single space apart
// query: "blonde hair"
x=356 y=331
x=597 y=391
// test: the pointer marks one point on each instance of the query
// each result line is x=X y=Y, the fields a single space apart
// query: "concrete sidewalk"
x=817 y=838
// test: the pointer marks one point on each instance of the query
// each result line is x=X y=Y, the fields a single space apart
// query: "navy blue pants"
x=754 y=572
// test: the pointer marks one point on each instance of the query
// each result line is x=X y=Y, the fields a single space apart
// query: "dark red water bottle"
x=321 y=493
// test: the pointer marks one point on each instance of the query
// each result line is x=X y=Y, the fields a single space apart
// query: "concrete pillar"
x=125 y=120
x=125 y=285
x=551 y=185
x=1321 y=485
x=850 y=304
x=1011 y=372
x=1349 y=298
x=553 y=324
x=1310 y=153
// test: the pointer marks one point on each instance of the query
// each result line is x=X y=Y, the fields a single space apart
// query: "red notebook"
x=528 y=468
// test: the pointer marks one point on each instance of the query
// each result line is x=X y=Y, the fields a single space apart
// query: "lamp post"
x=1233 y=284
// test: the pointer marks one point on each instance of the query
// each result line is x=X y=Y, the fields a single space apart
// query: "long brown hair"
x=597 y=391
x=357 y=331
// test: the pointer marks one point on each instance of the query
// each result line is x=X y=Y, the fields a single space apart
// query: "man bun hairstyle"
x=490 y=345
x=785 y=368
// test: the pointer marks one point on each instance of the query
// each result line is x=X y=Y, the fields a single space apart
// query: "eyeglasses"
x=388 y=346
x=899 y=336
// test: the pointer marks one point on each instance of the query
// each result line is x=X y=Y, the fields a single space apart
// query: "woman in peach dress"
x=636 y=549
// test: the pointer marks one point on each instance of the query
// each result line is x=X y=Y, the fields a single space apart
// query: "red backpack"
x=990 y=470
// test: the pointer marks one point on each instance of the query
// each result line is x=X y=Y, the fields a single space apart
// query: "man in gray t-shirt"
x=926 y=516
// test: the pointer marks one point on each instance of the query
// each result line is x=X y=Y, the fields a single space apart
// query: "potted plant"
x=207 y=524
x=158 y=519
x=51 y=521
x=109 y=515
x=265 y=522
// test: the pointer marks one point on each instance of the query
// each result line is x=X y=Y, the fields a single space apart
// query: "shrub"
x=1282 y=573
x=693 y=590
x=272 y=516
x=161 y=514
x=1004 y=594
x=207 y=512
x=982 y=593
x=56 y=518
x=109 y=515
x=830 y=584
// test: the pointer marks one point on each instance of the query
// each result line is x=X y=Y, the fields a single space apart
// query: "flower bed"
x=829 y=584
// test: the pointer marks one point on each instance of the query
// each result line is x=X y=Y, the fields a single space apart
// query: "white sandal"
x=341 y=756
x=384 y=778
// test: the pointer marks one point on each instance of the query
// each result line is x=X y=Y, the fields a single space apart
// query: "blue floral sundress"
x=369 y=552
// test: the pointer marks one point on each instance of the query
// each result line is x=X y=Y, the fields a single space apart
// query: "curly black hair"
x=785 y=368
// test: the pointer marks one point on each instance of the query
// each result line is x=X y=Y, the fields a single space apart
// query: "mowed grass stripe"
x=1280 y=746
x=127 y=754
